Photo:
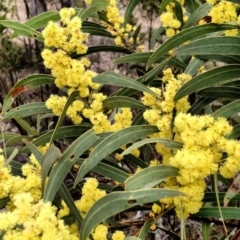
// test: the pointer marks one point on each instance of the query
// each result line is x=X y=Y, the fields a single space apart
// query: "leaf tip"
x=24 y=140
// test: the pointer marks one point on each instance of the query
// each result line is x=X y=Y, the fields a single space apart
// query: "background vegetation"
x=155 y=156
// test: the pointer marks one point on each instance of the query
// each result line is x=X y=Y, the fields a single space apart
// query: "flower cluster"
x=224 y=12
x=27 y=216
x=57 y=103
x=170 y=21
x=5 y=178
x=101 y=231
x=205 y=145
x=31 y=220
x=90 y=195
x=68 y=38
x=71 y=74
x=123 y=33
x=100 y=120
x=221 y=12
x=206 y=149
x=161 y=108
x=30 y=182
x=203 y=139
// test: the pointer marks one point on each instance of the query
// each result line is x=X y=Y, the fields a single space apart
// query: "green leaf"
x=164 y=5
x=101 y=137
x=93 y=9
x=80 y=12
x=225 y=45
x=200 y=104
x=102 y=16
x=8 y=135
x=34 y=150
x=227 y=110
x=155 y=36
x=96 y=31
x=208 y=110
x=63 y=114
x=178 y=11
x=145 y=229
x=3 y=202
x=69 y=219
x=136 y=33
x=92 y=24
x=150 y=177
x=232 y=191
x=103 y=48
x=11 y=157
x=21 y=29
x=197 y=15
x=109 y=171
x=184 y=36
x=62 y=133
x=220 y=92
x=165 y=142
x=148 y=150
x=206 y=230
x=213 y=212
x=130 y=7
x=176 y=63
x=17 y=139
x=134 y=58
x=231 y=59
x=111 y=143
x=191 y=5
x=51 y=156
x=234 y=1
x=64 y=164
x=232 y=84
x=139 y=120
x=193 y=66
x=26 y=110
x=215 y=185
x=121 y=102
x=42 y=19
x=224 y=180
x=16 y=168
x=215 y=76
x=143 y=58
x=40 y=118
x=146 y=79
x=9 y=150
x=149 y=76
x=116 y=202
x=137 y=162
x=109 y=188
x=211 y=197
x=112 y=78
x=26 y=126
x=67 y=198
x=29 y=83
x=235 y=132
